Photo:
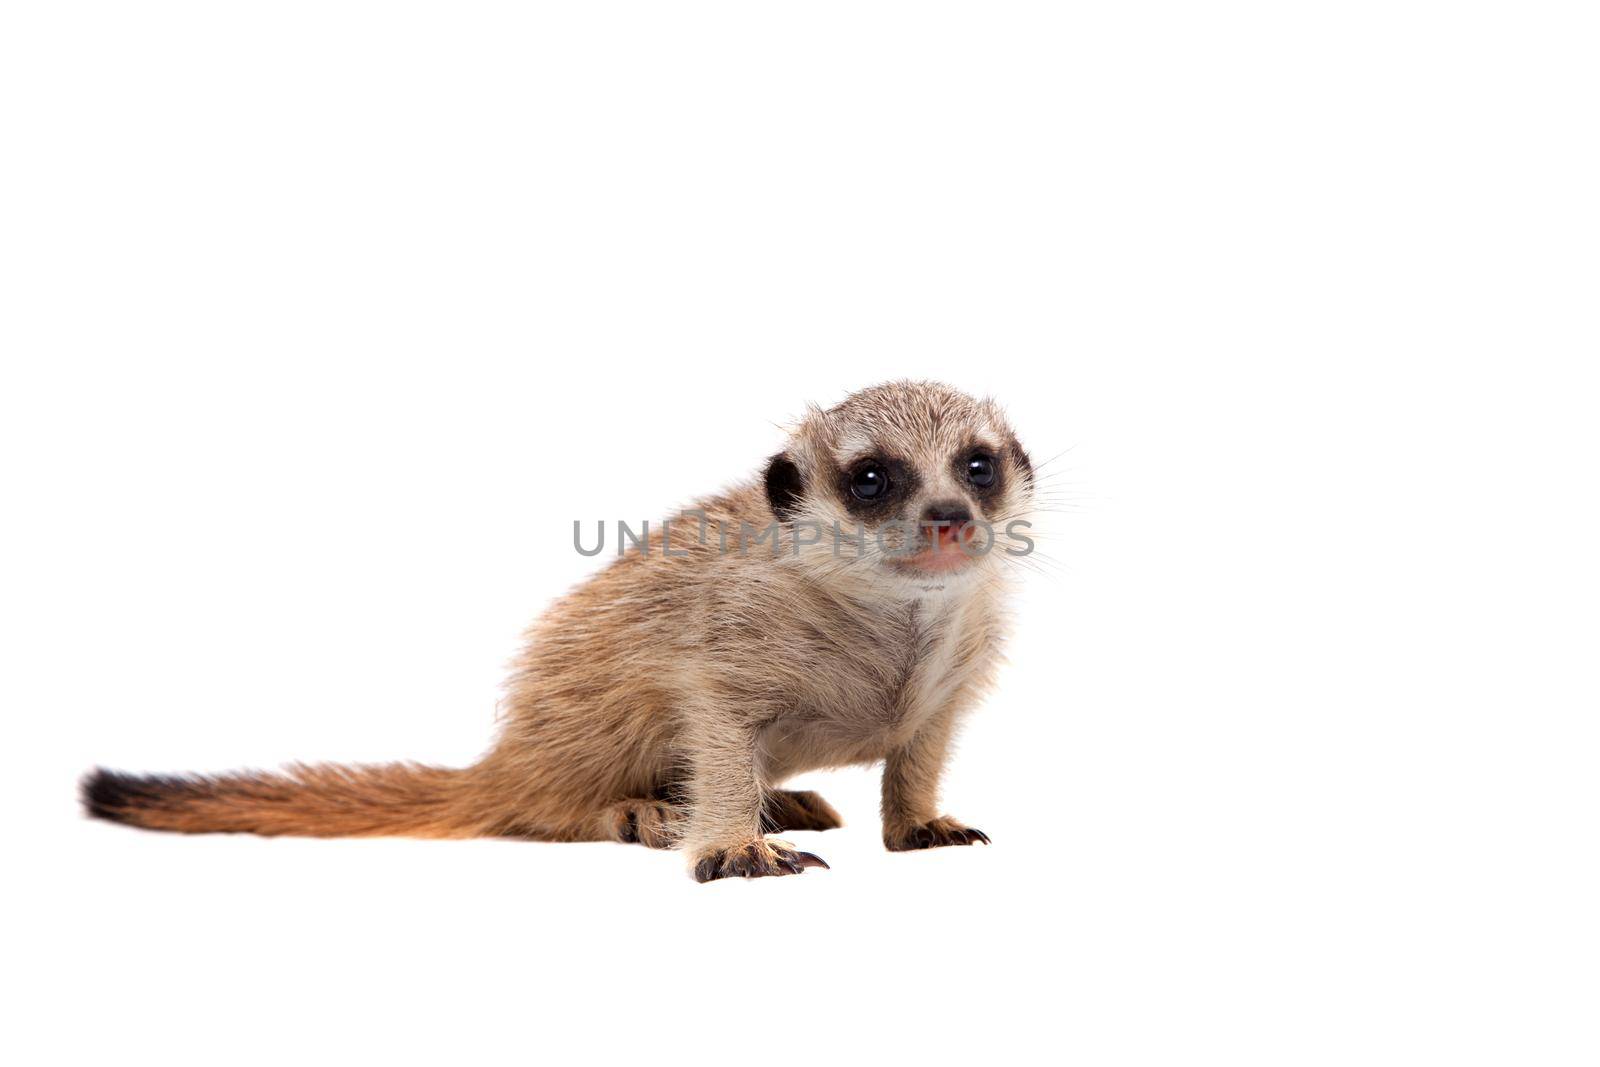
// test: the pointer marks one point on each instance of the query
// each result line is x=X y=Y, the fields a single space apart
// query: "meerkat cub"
x=839 y=609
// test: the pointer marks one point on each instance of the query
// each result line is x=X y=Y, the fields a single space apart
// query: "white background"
x=323 y=321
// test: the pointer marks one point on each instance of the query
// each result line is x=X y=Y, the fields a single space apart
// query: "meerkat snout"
x=946 y=521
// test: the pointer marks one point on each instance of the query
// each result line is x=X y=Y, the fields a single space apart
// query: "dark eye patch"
x=886 y=481
x=978 y=467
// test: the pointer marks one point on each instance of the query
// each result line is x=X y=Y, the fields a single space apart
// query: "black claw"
x=630 y=831
x=936 y=836
x=753 y=861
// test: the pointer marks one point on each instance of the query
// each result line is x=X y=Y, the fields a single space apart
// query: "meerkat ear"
x=784 y=487
x=1020 y=457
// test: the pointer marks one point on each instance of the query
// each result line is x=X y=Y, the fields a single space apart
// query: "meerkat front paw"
x=936 y=833
x=755 y=859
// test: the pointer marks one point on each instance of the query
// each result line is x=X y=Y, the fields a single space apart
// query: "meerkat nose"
x=948 y=518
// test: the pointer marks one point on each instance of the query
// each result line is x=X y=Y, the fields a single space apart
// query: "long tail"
x=322 y=800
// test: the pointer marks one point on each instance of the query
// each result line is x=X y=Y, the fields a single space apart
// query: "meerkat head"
x=911 y=484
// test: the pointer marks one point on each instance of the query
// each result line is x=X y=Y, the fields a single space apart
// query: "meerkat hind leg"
x=791 y=809
x=644 y=820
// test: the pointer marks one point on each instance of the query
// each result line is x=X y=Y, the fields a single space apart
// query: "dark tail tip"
x=109 y=795
x=104 y=794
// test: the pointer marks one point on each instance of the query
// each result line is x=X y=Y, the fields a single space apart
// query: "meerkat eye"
x=869 y=482
x=980 y=471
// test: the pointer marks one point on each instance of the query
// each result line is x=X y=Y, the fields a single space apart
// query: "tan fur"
x=665 y=699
